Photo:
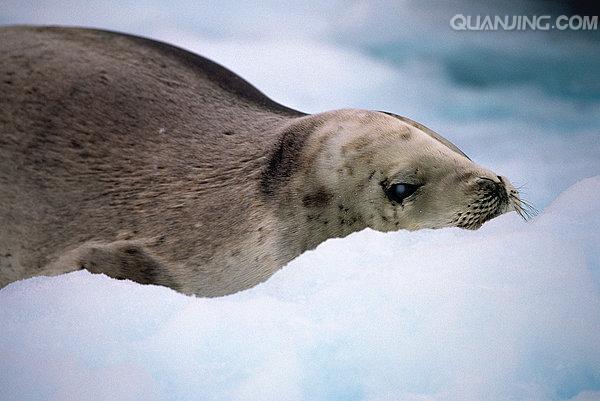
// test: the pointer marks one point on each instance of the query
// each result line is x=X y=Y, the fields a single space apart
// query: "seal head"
x=372 y=169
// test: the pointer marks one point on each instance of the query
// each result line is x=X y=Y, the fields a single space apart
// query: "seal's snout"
x=494 y=189
x=492 y=197
x=515 y=202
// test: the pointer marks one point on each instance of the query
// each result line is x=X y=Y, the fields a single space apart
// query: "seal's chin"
x=476 y=221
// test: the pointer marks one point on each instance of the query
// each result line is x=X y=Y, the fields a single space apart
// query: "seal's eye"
x=399 y=192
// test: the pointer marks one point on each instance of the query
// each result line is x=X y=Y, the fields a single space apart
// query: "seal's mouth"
x=492 y=198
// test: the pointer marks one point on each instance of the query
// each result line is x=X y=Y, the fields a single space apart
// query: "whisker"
x=529 y=206
x=524 y=208
x=520 y=212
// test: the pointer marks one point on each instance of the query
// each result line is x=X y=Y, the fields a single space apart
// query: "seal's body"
x=140 y=160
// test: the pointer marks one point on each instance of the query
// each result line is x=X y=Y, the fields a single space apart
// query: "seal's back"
x=101 y=131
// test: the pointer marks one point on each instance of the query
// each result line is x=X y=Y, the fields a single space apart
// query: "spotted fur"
x=142 y=161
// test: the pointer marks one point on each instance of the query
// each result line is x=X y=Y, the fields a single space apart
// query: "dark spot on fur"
x=343 y=208
x=131 y=250
x=285 y=158
x=320 y=198
x=149 y=274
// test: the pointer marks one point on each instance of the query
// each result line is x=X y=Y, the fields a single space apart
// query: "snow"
x=508 y=312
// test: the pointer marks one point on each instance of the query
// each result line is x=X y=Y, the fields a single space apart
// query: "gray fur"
x=103 y=133
x=137 y=159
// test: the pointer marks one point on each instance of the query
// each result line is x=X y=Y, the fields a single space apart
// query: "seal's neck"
x=306 y=211
x=305 y=227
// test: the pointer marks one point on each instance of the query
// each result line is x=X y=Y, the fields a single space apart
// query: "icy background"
x=509 y=312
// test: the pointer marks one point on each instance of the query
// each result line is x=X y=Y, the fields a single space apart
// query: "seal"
x=133 y=158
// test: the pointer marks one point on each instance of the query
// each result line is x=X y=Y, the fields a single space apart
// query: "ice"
x=508 y=312
x=511 y=311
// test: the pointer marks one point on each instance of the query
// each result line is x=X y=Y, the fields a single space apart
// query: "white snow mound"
x=508 y=312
